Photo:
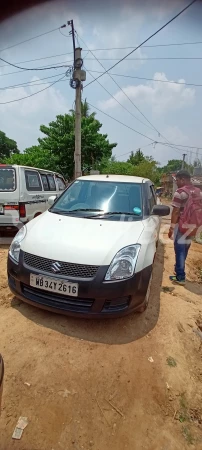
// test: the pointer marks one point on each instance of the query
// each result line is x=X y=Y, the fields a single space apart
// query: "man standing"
x=181 y=243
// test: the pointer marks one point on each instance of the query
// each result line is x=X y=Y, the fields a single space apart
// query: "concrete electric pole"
x=79 y=75
x=183 y=161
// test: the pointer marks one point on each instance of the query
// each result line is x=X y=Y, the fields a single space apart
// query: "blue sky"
x=174 y=110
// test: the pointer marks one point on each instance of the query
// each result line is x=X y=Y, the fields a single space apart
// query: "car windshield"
x=7 y=180
x=101 y=199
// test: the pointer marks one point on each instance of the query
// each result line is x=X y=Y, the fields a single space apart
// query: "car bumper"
x=96 y=298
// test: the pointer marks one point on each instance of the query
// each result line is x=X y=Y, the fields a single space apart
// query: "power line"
x=146 y=40
x=147 y=79
x=116 y=85
x=38 y=59
x=40 y=68
x=112 y=96
x=63 y=33
x=118 y=121
x=27 y=85
x=29 y=68
x=139 y=148
x=146 y=46
x=31 y=95
x=150 y=59
x=28 y=82
x=34 y=37
x=125 y=96
x=147 y=137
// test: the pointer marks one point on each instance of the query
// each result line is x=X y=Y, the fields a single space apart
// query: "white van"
x=24 y=193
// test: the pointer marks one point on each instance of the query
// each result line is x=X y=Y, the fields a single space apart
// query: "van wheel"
x=146 y=301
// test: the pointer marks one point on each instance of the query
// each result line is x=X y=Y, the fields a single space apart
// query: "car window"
x=92 y=196
x=45 y=182
x=7 y=180
x=61 y=183
x=33 y=182
x=152 y=197
x=51 y=182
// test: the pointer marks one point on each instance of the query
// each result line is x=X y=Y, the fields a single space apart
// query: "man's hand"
x=170 y=233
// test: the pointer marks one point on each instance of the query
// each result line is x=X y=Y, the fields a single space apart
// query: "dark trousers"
x=181 y=246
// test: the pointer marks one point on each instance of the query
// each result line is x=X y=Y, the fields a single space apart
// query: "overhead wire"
x=31 y=68
x=29 y=82
x=131 y=101
x=146 y=40
x=34 y=37
x=148 y=79
x=116 y=85
x=171 y=145
x=35 y=93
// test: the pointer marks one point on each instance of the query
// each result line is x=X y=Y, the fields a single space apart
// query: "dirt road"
x=133 y=383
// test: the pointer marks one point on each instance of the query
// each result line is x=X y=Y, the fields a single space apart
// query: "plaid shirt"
x=180 y=197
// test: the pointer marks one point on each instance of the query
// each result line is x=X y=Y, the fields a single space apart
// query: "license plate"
x=1 y=209
x=54 y=285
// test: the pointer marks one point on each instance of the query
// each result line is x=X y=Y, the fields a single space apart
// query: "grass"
x=171 y=362
x=187 y=435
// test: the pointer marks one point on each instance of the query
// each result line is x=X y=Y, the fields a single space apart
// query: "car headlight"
x=14 y=250
x=123 y=264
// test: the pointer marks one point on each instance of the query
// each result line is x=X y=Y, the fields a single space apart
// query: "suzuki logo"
x=55 y=267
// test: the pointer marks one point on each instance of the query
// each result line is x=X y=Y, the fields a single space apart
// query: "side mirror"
x=51 y=200
x=1 y=379
x=161 y=210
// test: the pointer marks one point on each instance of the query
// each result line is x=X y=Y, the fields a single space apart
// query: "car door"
x=150 y=234
x=34 y=198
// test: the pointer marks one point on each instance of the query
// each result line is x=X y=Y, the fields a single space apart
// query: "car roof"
x=114 y=178
x=28 y=168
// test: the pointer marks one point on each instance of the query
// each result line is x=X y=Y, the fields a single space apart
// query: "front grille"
x=62 y=302
x=118 y=304
x=67 y=269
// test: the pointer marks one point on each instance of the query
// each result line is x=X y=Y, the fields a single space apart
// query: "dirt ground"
x=133 y=383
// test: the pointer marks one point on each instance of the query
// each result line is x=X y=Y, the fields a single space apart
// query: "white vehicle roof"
x=30 y=168
x=115 y=178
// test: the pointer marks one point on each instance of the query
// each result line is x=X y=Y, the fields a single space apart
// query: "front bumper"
x=96 y=298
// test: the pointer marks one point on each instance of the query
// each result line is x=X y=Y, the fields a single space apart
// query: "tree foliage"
x=8 y=147
x=56 y=148
x=174 y=165
x=146 y=168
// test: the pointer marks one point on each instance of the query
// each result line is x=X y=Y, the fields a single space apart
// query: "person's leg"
x=180 y=256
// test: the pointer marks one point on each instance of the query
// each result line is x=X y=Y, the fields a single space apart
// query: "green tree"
x=136 y=158
x=8 y=146
x=118 y=168
x=59 y=142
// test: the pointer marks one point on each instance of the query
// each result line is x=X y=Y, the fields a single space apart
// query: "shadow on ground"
x=108 y=331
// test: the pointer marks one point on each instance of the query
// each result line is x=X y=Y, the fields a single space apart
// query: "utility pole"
x=183 y=160
x=79 y=75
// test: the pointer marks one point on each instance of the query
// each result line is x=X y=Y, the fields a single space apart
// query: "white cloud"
x=161 y=97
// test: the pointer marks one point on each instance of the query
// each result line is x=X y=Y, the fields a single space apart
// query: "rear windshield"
x=7 y=180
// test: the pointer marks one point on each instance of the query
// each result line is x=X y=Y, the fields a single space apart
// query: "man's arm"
x=174 y=220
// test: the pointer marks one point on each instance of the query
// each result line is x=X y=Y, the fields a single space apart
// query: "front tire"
x=146 y=300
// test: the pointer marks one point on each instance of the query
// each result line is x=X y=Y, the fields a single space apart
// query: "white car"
x=91 y=254
x=24 y=193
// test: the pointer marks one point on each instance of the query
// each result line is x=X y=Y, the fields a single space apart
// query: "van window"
x=51 y=182
x=7 y=180
x=33 y=181
x=45 y=182
x=61 y=183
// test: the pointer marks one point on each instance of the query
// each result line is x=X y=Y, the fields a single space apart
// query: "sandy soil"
x=92 y=384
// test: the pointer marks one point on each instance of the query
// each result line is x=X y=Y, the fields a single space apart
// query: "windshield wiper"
x=113 y=213
x=68 y=212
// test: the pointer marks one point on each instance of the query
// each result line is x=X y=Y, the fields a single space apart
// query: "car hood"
x=79 y=240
